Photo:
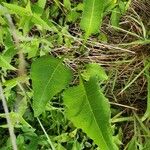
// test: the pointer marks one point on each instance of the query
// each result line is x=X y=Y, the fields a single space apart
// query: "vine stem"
x=49 y=140
x=10 y=126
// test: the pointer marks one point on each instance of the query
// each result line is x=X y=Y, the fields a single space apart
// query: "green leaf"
x=3 y=10
x=8 y=42
x=72 y=16
x=109 y=5
x=17 y=9
x=38 y=8
x=115 y=17
x=132 y=145
x=41 y=3
x=31 y=48
x=92 y=16
x=67 y=4
x=26 y=24
x=147 y=144
x=49 y=76
x=22 y=106
x=37 y=20
x=9 y=54
x=9 y=84
x=89 y=110
x=94 y=69
x=147 y=74
x=16 y=118
x=5 y=64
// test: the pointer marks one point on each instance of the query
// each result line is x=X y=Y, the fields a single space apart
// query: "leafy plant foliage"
x=92 y=16
x=89 y=110
x=49 y=76
x=49 y=102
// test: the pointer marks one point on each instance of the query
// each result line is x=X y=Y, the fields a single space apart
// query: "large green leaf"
x=89 y=110
x=49 y=76
x=92 y=16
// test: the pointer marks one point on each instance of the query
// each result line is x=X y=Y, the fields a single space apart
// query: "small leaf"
x=92 y=16
x=89 y=110
x=147 y=144
x=8 y=42
x=103 y=37
x=38 y=7
x=17 y=9
x=132 y=144
x=72 y=16
x=37 y=20
x=5 y=64
x=94 y=69
x=26 y=24
x=49 y=76
x=115 y=17
x=9 y=84
x=109 y=5
x=22 y=106
x=67 y=4
x=41 y=3
x=147 y=74
x=3 y=10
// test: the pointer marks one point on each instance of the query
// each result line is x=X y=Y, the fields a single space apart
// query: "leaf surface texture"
x=49 y=76
x=92 y=16
x=89 y=110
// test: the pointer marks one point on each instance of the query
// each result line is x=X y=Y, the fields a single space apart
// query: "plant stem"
x=21 y=67
x=21 y=58
x=49 y=140
x=10 y=126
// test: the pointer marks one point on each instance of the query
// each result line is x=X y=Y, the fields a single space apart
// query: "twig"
x=10 y=126
x=121 y=105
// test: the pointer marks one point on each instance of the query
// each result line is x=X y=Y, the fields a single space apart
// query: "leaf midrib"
x=85 y=92
x=52 y=75
x=91 y=18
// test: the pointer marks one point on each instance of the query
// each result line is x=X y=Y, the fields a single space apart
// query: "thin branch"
x=10 y=126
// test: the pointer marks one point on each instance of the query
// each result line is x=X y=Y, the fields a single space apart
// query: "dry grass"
x=122 y=63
